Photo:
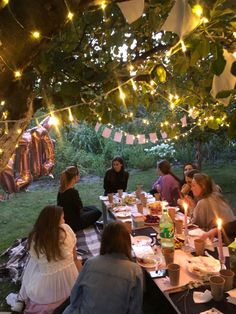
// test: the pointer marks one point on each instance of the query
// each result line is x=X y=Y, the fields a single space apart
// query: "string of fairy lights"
x=173 y=99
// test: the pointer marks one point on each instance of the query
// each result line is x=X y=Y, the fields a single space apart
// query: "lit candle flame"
x=219 y=223
x=185 y=206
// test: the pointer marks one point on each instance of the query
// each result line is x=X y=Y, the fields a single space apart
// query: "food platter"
x=123 y=214
x=203 y=266
x=147 y=261
x=141 y=240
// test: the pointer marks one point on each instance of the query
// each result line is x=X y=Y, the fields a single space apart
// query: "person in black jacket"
x=76 y=215
x=116 y=178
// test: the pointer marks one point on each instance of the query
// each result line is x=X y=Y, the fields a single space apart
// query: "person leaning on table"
x=111 y=282
x=116 y=178
x=210 y=203
x=77 y=216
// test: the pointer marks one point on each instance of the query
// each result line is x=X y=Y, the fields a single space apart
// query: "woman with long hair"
x=53 y=266
x=210 y=203
x=76 y=215
x=116 y=178
x=110 y=282
x=168 y=184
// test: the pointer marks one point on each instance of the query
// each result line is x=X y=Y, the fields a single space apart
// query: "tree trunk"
x=18 y=51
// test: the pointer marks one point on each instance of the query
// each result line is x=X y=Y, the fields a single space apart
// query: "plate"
x=123 y=214
x=146 y=261
x=203 y=266
x=141 y=240
x=151 y=223
x=120 y=208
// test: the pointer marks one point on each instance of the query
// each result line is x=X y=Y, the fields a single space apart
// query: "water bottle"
x=232 y=258
x=166 y=230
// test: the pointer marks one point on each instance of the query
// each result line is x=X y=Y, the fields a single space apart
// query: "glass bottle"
x=166 y=230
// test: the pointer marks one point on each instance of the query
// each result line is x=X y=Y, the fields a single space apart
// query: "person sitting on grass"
x=110 y=282
x=53 y=265
x=116 y=178
x=77 y=216
x=210 y=203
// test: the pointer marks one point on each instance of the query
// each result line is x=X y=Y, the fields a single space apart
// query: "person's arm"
x=210 y=234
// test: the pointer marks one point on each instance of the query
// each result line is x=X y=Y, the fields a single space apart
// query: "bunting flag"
x=106 y=132
x=141 y=139
x=226 y=80
x=129 y=139
x=184 y=121
x=153 y=137
x=97 y=126
x=132 y=10
x=181 y=20
x=163 y=135
x=118 y=137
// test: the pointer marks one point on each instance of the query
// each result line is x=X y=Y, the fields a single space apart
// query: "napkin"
x=202 y=297
x=211 y=311
x=196 y=232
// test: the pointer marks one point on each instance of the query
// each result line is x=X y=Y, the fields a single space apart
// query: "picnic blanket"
x=17 y=256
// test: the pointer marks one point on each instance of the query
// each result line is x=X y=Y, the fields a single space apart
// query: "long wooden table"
x=180 y=257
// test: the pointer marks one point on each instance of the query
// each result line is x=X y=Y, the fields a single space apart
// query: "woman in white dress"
x=53 y=266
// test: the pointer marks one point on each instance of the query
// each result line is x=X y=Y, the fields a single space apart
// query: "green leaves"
x=219 y=63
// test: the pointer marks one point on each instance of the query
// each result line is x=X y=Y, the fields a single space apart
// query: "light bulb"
x=36 y=35
x=198 y=10
x=17 y=74
x=70 y=16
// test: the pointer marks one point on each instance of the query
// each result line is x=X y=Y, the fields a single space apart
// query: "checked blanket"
x=16 y=256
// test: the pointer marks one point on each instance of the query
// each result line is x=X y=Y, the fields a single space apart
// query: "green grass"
x=19 y=213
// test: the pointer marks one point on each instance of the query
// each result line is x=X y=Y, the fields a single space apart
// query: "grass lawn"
x=19 y=213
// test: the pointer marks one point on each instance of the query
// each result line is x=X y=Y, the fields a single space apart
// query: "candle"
x=220 y=246
x=185 y=206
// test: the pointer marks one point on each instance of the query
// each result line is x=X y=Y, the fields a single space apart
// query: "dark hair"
x=189 y=163
x=66 y=177
x=191 y=173
x=46 y=233
x=165 y=168
x=116 y=239
x=120 y=160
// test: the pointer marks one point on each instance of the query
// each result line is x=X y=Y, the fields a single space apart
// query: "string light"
x=134 y=85
x=71 y=118
x=1 y=150
x=183 y=47
x=122 y=94
x=2 y=102
x=19 y=131
x=198 y=10
x=70 y=16
x=6 y=128
x=17 y=74
x=36 y=35
x=5 y=2
x=204 y=20
x=103 y=5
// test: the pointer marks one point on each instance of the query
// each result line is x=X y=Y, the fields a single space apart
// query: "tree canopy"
x=83 y=58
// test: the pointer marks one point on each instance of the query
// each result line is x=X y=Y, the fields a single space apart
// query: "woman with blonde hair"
x=210 y=203
x=76 y=215
x=53 y=266
x=110 y=282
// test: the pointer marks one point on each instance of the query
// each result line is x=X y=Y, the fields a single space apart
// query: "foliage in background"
x=80 y=144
